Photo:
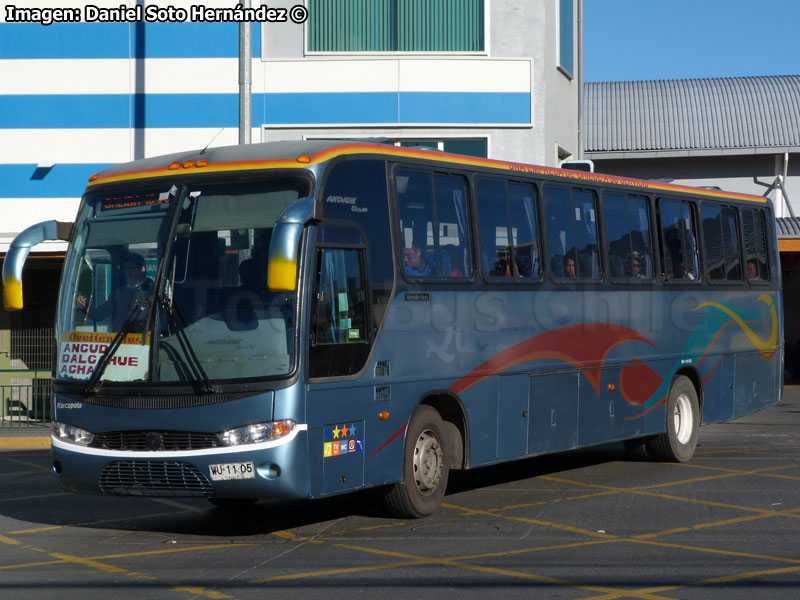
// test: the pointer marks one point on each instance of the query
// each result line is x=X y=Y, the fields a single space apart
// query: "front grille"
x=154 y=478
x=155 y=440
x=155 y=402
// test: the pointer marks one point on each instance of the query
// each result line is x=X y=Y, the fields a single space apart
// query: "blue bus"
x=303 y=319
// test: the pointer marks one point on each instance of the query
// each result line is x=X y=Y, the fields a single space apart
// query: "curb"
x=25 y=443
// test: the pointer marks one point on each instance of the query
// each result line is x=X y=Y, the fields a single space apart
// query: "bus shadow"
x=312 y=518
x=198 y=517
x=518 y=470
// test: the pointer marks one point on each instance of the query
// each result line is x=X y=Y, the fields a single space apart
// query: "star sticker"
x=344 y=430
x=353 y=430
x=336 y=433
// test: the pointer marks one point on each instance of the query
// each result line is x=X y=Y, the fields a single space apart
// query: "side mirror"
x=284 y=247
x=18 y=252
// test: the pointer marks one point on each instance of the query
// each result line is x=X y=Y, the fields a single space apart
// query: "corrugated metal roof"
x=692 y=114
x=788 y=227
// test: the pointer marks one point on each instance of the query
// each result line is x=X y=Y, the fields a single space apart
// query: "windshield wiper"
x=177 y=327
x=140 y=307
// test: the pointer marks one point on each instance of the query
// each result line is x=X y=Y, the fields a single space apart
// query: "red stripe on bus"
x=396 y=434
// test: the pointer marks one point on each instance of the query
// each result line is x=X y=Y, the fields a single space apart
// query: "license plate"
x=227 y=471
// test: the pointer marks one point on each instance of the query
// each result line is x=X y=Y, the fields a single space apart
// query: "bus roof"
x=304 y=154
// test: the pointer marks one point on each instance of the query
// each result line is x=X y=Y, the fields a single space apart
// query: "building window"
x=395 y=25
x=565 y=36
x=476 y=148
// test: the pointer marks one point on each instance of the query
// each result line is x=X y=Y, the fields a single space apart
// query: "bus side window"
x=560 y=236
x=755 y=245
x=339 y=314
x=509 y=233
x=524 y=230
x=585 y=222
x=679 y=240
x=355 y=192
x=572 y=233
x=453 y=229
x=492 y=205
x=721 y=243
x=417 y=224
x=627 y=227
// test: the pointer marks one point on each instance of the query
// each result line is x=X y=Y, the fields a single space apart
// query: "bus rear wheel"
x=679 y=441
x=425 y=468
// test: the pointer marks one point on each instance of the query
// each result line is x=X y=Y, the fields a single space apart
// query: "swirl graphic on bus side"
x=586 y=347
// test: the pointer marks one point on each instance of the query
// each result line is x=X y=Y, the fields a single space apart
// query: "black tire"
x=678 y=442
x=425 y=468
x=233 y=503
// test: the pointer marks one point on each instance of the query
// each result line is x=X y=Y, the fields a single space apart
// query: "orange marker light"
x=94 y=177
x=611 y=387
x=304 y=159
x=173 y=166
x=383 y=415
x=187 y=164
x=201 y=163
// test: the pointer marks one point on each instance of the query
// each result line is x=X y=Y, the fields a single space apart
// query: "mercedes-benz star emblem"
x=154 y=441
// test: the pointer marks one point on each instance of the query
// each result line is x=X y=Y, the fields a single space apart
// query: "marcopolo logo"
x=68 y=405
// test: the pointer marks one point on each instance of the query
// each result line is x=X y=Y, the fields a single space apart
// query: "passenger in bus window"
x=505 y=267
x=682 y=273
x=637 y=268
x=752 y=269
x=415 y=263
x=569 y=267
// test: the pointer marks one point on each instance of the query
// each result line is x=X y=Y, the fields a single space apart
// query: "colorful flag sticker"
x=341 y=439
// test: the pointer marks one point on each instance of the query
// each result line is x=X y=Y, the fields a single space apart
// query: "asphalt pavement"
x=586 y=524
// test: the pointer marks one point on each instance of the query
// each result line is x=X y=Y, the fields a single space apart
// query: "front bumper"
x=280 y=466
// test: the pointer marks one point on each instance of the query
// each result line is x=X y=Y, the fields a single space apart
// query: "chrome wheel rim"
x=683 y=419
x=427 y=462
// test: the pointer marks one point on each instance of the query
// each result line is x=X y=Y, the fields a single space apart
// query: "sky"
x=635 y=40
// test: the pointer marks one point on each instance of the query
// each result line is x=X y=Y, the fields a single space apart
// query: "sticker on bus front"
x=80 y=351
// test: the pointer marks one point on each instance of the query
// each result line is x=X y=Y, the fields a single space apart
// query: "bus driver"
x=119 y=306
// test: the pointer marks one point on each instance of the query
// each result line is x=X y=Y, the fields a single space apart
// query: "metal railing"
x=26 y=398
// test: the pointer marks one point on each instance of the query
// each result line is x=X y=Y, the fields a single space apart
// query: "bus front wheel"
x=678 y=442
x=425 y=467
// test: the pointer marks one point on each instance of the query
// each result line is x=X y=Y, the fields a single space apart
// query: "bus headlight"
x=72 y=434
x=256 y=433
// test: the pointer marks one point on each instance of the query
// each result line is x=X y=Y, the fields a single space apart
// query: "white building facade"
x=496 y=78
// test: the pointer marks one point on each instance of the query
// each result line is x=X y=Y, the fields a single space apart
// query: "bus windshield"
x=181 y=274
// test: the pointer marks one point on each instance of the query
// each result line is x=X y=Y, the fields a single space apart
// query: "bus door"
x=339 y=346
